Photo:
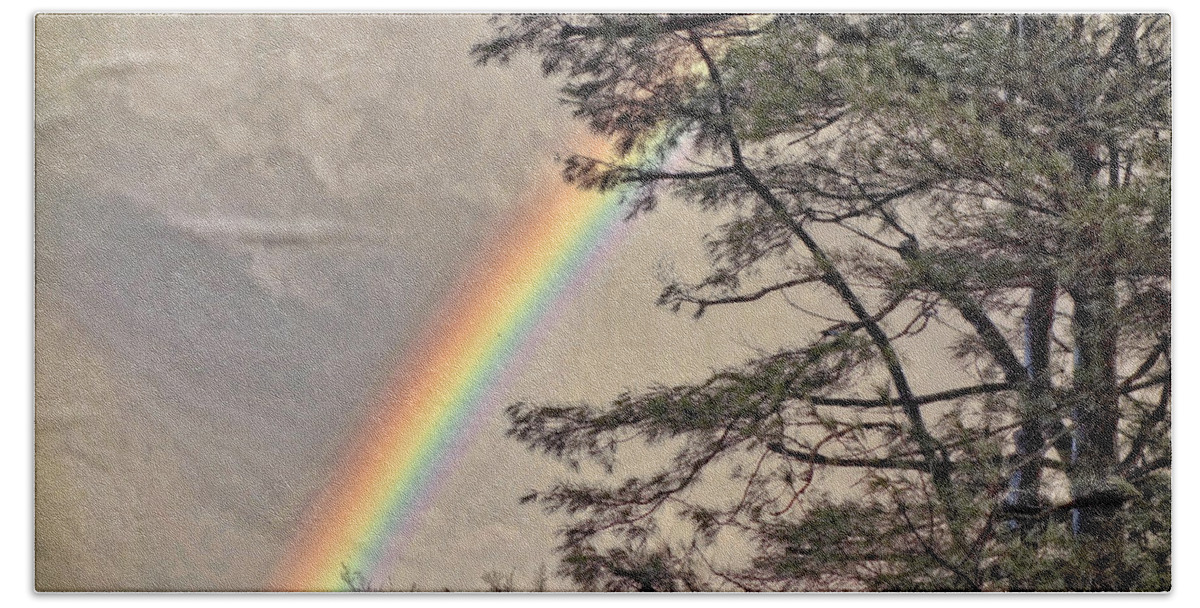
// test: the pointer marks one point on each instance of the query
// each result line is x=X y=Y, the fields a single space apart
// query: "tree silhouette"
x=1002 y=178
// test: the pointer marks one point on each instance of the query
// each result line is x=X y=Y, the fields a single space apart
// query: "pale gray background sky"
x=241 y=221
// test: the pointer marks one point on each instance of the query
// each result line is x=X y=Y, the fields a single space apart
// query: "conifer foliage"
x=1002 y=179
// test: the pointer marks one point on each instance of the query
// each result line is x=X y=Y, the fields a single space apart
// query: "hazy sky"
x=241 y=222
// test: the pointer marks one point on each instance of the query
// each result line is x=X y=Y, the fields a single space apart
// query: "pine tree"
x=1005 y=177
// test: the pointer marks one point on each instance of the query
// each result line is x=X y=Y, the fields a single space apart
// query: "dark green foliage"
x=1006 y=177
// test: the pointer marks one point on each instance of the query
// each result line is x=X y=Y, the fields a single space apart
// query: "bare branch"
x=1162 y=347
x=640 y=175
x=673 y=23
x=704 y=303
x=833 y=461
x=921 y=400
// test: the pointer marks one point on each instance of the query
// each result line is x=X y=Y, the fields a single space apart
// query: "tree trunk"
x=1036 y=401
x=1097 y=519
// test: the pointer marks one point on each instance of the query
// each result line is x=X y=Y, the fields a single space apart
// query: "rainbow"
x=389 y=470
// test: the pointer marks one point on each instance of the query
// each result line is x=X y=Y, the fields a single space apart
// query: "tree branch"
x=970 y=310
x=929 y=445
x=638 y=175
x=1163 y=345
x=703 y=303
x=1143 y=434
x=672 y=23
x=1152 y=381
x=867 y=463
x=920 y=400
